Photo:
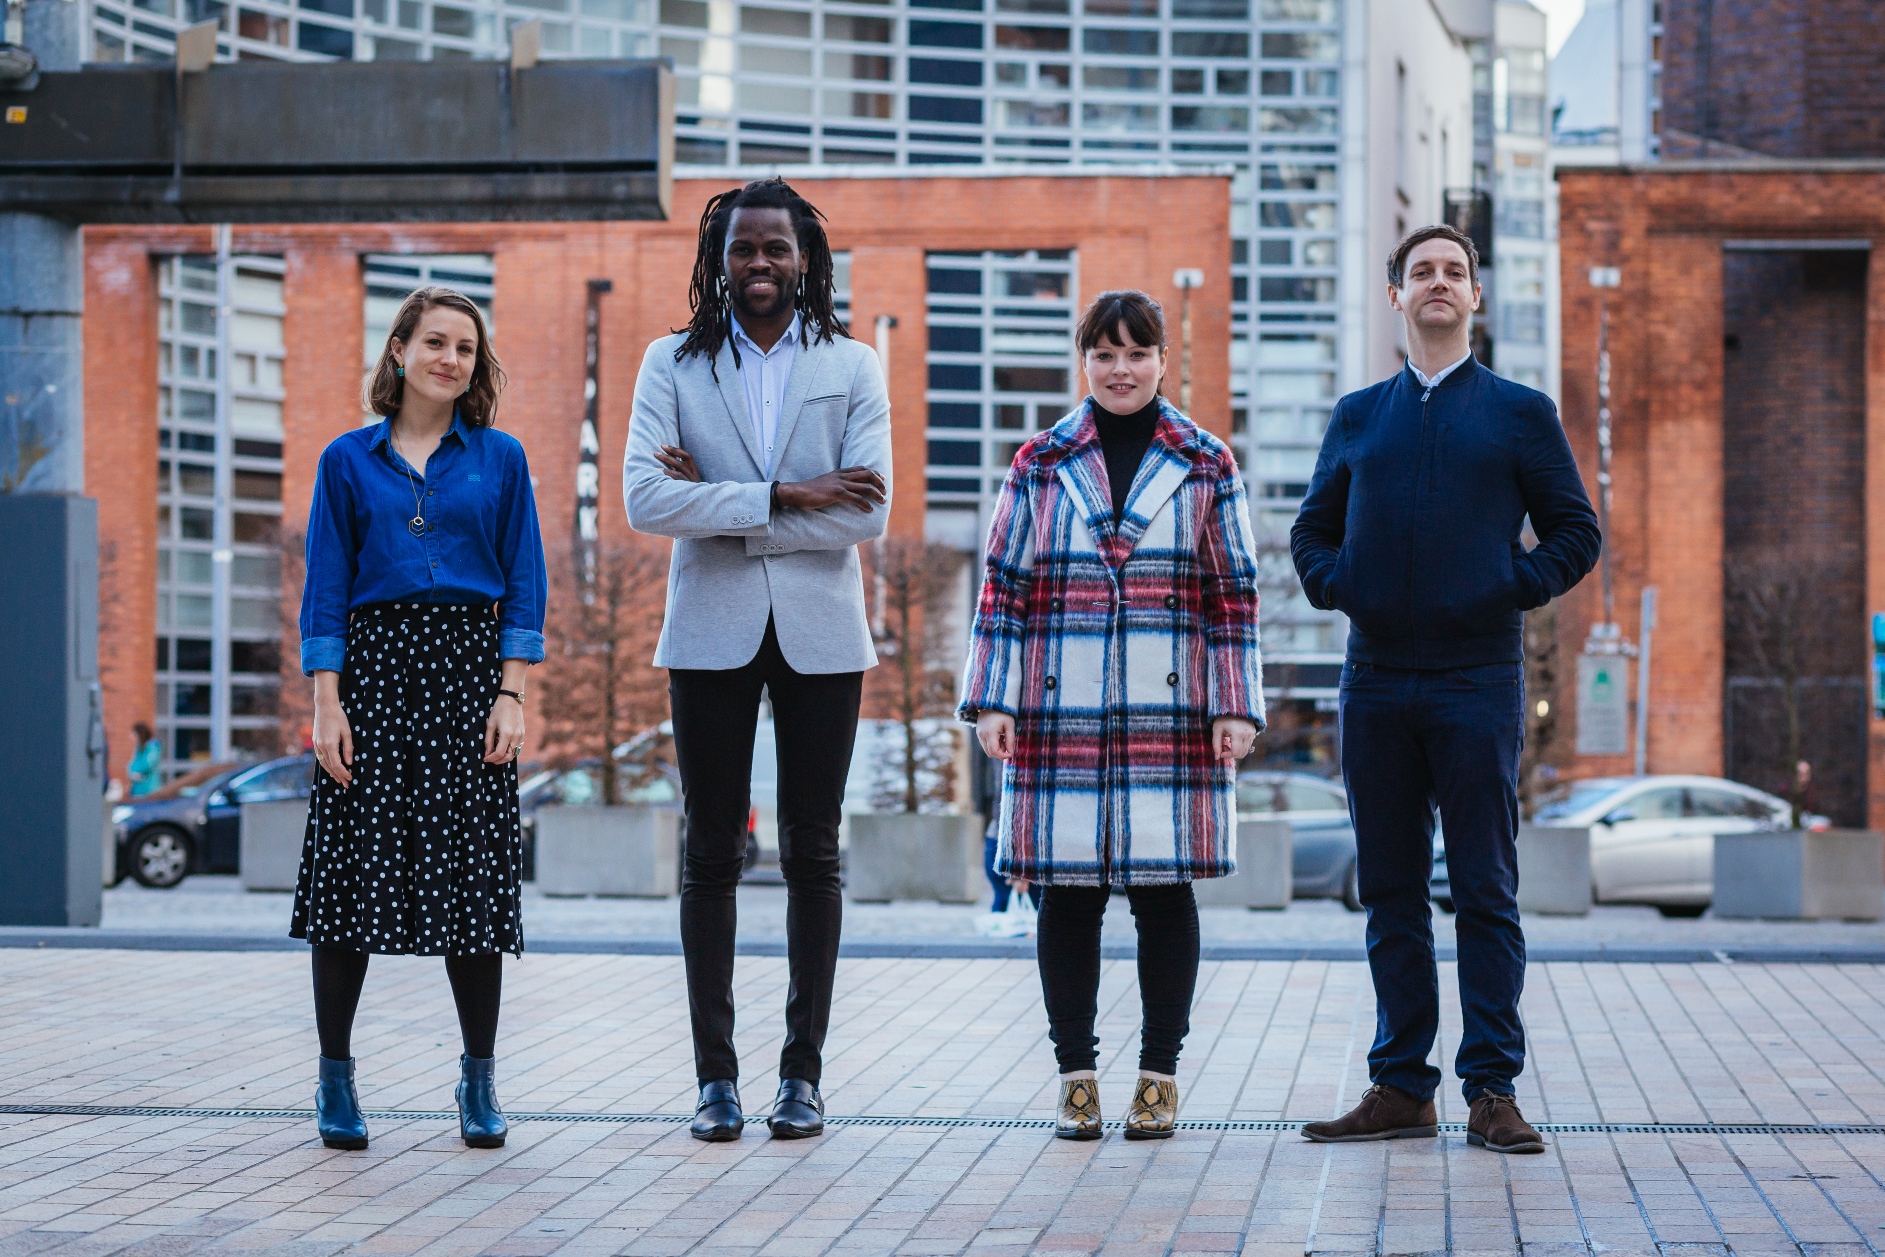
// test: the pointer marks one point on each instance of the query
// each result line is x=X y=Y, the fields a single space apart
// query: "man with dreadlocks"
x=760 y=441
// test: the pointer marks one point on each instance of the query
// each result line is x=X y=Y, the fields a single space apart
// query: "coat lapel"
x=799 y=385
x=1083 y=474
x=733 y=393
x=1164 y=469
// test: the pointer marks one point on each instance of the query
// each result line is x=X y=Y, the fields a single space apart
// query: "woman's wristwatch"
x=516 y=694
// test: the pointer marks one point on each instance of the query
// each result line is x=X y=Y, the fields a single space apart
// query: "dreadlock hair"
x=707 y=293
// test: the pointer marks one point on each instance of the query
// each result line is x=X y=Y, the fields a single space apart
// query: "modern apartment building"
x=1342 y=123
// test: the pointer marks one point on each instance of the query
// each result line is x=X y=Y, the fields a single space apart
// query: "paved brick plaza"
x=921 y=1042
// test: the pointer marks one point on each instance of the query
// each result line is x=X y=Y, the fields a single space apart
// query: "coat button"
x=1171 y=678
x=1055 y=604
x=1049 y=683
x=1171 y=601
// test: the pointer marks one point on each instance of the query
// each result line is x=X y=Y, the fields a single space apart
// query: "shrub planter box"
x=629 y=851
x=1265 y=869
x=1554 y=870
x=903 y=855
x=272 y=835
x=1799 y=875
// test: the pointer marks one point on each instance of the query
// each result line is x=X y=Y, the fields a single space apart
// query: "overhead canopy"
x=253 y=142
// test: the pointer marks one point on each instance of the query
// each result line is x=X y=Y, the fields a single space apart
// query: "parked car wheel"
x=160 y=857
x=1682 y=911
x=1351 y=889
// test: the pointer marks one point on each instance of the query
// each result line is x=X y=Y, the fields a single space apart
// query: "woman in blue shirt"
x=422 y=608
x=143 y=770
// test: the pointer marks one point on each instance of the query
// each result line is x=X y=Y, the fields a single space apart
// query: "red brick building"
x=1117 y=231
x=1747 y=347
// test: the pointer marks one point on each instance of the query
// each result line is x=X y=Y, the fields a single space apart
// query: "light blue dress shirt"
x=764 y=375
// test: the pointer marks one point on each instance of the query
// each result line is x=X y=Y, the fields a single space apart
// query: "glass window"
x=1654 y=805
x=1210 y=43
x=948 y=71
x=1119 y=42
x=860 y=30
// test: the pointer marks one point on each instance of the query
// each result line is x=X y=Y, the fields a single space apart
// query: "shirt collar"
x=790 y=337
x=1439 y=375
x=382 y=431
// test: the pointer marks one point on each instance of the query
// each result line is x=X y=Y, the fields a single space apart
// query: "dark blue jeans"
x=1411 y=741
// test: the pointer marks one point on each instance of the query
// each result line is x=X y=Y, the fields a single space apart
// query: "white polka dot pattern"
x=422 y=854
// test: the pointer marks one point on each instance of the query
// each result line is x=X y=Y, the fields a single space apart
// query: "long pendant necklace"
x=416 y=525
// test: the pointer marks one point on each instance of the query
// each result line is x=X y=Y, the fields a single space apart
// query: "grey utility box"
x=901 y=855
x=1266 y=852
x=1797 y=874
x=630 y=851
x=53 y=782
x=272 y=836
x=1554 y=870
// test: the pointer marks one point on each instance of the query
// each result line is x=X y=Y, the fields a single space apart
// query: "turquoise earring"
x=400 y=372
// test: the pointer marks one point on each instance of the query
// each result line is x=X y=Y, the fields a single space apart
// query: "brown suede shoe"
x=1384 y=1113
x=1496 y=1123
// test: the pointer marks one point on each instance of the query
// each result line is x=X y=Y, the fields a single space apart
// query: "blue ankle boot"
x=337 y=1107
x=480 y=1122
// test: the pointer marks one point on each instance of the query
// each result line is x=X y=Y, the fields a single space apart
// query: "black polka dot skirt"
x=421 y=855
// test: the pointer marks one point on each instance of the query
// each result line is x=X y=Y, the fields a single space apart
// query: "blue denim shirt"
x=481 y=543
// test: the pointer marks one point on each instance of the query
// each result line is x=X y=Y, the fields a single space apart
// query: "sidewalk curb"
x=892 y=947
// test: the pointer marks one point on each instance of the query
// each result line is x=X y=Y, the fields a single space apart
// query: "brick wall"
x=1785 y=78
x=1130 y=231
x=1674 y=499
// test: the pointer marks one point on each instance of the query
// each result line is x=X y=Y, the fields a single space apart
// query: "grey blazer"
x=735 y=563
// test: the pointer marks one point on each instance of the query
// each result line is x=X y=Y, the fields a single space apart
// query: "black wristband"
x=516 y=694
x=775 y=495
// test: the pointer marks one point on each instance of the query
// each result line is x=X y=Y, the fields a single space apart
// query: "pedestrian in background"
x=760 y=441
x=145 y=768
x=422 y=609
x=1411 y=529
x=1113 y=665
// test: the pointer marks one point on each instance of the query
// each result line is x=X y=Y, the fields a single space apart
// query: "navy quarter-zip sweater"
x=1411 y=524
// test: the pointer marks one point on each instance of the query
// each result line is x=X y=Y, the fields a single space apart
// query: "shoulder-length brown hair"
x=384 y=387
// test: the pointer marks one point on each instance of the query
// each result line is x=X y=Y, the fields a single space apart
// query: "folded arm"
x=866 y=444
x=658 y=503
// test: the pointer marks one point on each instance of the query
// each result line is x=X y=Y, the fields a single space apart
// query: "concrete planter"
x=272 y=835
x=630 y=851
x=1554 y=870
x=1265 y=869
x=915 y=856
x=1796 y=874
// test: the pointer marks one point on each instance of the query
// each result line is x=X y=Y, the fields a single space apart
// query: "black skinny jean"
x=1067 y=944
x=815 y=723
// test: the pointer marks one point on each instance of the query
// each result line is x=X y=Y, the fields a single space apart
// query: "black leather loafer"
x=717 y=1119
x=798 y=1113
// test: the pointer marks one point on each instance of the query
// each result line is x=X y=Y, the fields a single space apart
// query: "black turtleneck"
x=1124 y=440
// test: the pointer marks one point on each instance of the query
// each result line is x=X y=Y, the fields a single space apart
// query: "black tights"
x=477 y=986
x=1068 y=946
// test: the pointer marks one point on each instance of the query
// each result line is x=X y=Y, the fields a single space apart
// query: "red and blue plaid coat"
x=1114 y=649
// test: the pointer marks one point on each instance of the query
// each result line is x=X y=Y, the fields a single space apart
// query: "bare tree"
x=1777 y=632
x=1537 y=769
x=919 y=580
x=599 y=688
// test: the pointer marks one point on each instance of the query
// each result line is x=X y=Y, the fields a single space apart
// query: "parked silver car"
x=1652 y=839
x=1323 y=840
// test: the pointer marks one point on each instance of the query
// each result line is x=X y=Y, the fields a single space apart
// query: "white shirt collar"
x=1439 y=375
x=790 y=338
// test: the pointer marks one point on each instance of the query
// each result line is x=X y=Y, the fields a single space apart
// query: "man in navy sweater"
x=1411 y=529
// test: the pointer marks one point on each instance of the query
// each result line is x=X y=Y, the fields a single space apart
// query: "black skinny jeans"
x=1068 y=946
x=815 y=723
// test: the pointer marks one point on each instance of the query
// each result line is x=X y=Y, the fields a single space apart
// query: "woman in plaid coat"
x=1114 y=665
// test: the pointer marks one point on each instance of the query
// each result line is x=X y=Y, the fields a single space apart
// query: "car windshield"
x=190 y=784
x=1573 y=797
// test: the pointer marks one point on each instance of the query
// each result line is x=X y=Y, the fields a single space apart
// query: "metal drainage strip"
x=984 y=1123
